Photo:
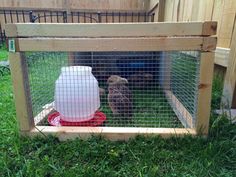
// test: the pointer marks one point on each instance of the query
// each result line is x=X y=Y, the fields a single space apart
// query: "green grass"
x=217 y=89
x=3 y=53
x=141 y=157
x=43 y=72
x=149 y=104
x=148 y=110
x=184 y=79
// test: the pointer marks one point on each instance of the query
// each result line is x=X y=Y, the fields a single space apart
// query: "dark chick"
x=120 y=97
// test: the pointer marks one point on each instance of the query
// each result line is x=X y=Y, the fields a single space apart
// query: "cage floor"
x=151 y=109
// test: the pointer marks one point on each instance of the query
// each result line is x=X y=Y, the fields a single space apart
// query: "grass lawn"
x=153 y=156
x=3 y=53
x=151 y=108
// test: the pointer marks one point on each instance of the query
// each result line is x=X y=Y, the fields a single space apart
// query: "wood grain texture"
x=116 y=44
x=110 y=30
x=161 y=11
x=228 y=18
x=21 y=91
x=222 y=11
x=111 y=133
x=204 y=92
x=209 y=28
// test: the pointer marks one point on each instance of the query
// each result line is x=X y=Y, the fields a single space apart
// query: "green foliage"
x=217 y=89
x=142 y=156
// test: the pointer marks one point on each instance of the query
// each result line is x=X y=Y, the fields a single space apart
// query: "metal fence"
x=46 y=16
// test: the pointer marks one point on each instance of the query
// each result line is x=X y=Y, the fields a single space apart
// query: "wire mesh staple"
x=131 y=89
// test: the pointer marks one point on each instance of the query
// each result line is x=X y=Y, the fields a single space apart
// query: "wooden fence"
x=125 y=5
x=222 y=11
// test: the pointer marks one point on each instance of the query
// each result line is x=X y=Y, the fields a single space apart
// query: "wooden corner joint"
x=209 y=28
x=11 y=30
x=209 y=43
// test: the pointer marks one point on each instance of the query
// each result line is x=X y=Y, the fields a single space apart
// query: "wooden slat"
x=21 y=91
x=110 y=30
x=227 y=24
x=153 y=5
x=195 y=10
x=188 y=6
x=217 y=14
x=230 y=77
x=175 y=10
x=209 y=9
x=157 y=7
x=116 y=44
x=161 y=11
x=111 y=133
x=182 y=113
x=222 y=56
x=204 y=92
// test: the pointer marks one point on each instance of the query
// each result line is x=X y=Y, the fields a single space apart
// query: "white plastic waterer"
x=76 y=94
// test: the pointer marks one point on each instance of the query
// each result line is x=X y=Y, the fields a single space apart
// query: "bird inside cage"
x=141 y=80
x=120 y=98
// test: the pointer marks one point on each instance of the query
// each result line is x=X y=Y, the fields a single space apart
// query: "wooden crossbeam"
x=111 y=30
x=111 y=133
x=117 y=44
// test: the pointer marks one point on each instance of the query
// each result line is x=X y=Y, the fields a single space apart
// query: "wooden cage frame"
x=185 y=36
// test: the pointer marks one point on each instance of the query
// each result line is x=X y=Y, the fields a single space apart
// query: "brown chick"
x=120 y=97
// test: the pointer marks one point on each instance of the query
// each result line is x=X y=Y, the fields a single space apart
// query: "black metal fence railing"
x=46 y=16
x=2 y=35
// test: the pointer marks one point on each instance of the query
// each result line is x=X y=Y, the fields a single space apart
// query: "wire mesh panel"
x=184 y=79
x=131 y=89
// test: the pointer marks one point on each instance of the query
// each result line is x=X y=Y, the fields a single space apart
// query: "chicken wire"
x=149 y=75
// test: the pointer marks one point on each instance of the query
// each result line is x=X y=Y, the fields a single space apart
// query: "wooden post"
x=204 y=95
x=21 y=90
